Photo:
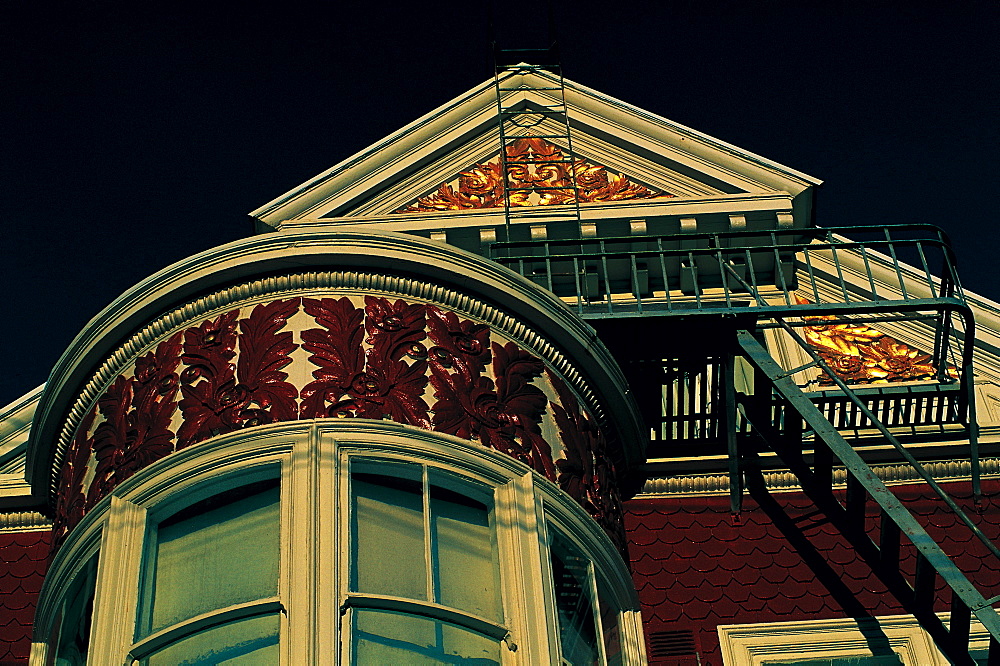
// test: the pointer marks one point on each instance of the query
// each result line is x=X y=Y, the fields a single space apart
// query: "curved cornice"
x=298 y=251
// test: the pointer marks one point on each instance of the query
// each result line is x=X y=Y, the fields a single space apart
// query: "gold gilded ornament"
x=538 y=174
x=860 y=354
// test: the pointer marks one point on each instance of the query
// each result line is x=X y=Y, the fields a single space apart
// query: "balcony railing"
x=845 y=269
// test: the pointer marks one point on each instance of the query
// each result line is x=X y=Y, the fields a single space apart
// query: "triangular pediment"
x=625 y=155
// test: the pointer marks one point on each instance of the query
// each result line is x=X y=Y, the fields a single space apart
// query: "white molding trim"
x=892 y=474
x=117 y=594
x=760 y=644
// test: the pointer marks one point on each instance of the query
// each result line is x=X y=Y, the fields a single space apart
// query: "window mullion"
x=172 y=634
x=429 y=550
x=595 y=609
x=118 y=573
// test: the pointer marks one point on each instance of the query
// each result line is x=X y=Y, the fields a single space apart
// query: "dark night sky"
x=135 y=134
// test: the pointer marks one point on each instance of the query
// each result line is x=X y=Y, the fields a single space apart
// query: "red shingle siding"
x=23 y=561
x=695 y=567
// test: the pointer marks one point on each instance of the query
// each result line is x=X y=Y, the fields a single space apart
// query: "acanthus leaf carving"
x=378 y=384
x=264 y=350
x=586 y=472
x=503 y=415
x=71 y=501
x=336 y=349
x=208 y=383
x=137 y=411
x=538 y=174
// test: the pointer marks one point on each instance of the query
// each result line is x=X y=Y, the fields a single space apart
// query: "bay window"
x=355 y=542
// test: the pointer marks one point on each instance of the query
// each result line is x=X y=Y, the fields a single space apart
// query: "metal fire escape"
x=723 y=299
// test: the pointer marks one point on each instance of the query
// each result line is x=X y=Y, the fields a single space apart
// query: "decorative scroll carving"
x=208 y=383
x=504 y=415
x=586 y=473
x=540 y=175
x=860 y=354
x=265 y=396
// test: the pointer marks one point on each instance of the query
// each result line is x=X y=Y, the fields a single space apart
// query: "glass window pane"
x=388 y=545
x=465 y=563
x=72 y=627
x=251 y=642
x=386 y=637
x=574 y=603
x=610 y=617
x=217 y=553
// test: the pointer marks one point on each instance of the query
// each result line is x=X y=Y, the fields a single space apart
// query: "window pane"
x=386 y=637
x=574 y=604
x=72 y=628
x=218 y=553
x=253 y=642
x=388 y=545
x=465 y=566
x=610 y=617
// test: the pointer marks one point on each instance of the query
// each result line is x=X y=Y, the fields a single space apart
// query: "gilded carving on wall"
x=860 y=354
x=539 y=174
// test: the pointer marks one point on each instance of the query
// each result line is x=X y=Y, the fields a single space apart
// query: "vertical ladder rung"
x=994 y=653
x=958 y=627
x=857 y=497
x=923 y=584
x=888 y=550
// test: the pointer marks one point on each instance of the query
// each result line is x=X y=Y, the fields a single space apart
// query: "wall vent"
x=667 y=644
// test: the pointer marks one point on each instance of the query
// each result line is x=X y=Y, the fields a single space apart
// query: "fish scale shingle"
x=696 y=567
x=23 y=562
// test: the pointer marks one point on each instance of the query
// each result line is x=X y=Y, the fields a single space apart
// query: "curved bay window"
x=362 y=542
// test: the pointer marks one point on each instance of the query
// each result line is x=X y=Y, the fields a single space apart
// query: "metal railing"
x=624 y=276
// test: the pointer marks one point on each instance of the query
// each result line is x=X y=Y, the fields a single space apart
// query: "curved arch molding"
x=342 y=344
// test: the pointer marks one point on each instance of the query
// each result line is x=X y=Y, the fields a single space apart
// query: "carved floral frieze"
x=344 y=356
x=538 y=174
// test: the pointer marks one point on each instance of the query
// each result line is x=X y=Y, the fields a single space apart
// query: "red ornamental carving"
x=220 y=397
x=586 y=473
x=373 y=362
x=378 y=384
x=264 y=350
x=71 y=502
x=503 y=415
x=137 y=412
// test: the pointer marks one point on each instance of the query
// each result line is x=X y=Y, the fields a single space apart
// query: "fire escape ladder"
x=896 y=521
x=531 y=105
x=716 y=285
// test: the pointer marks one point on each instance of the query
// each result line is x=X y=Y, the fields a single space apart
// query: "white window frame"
x=311 y=459
x=765 y=643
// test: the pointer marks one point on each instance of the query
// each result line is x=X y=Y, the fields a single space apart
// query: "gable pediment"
x=436 y=159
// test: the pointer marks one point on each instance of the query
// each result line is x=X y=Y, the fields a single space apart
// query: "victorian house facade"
x=540 y=378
